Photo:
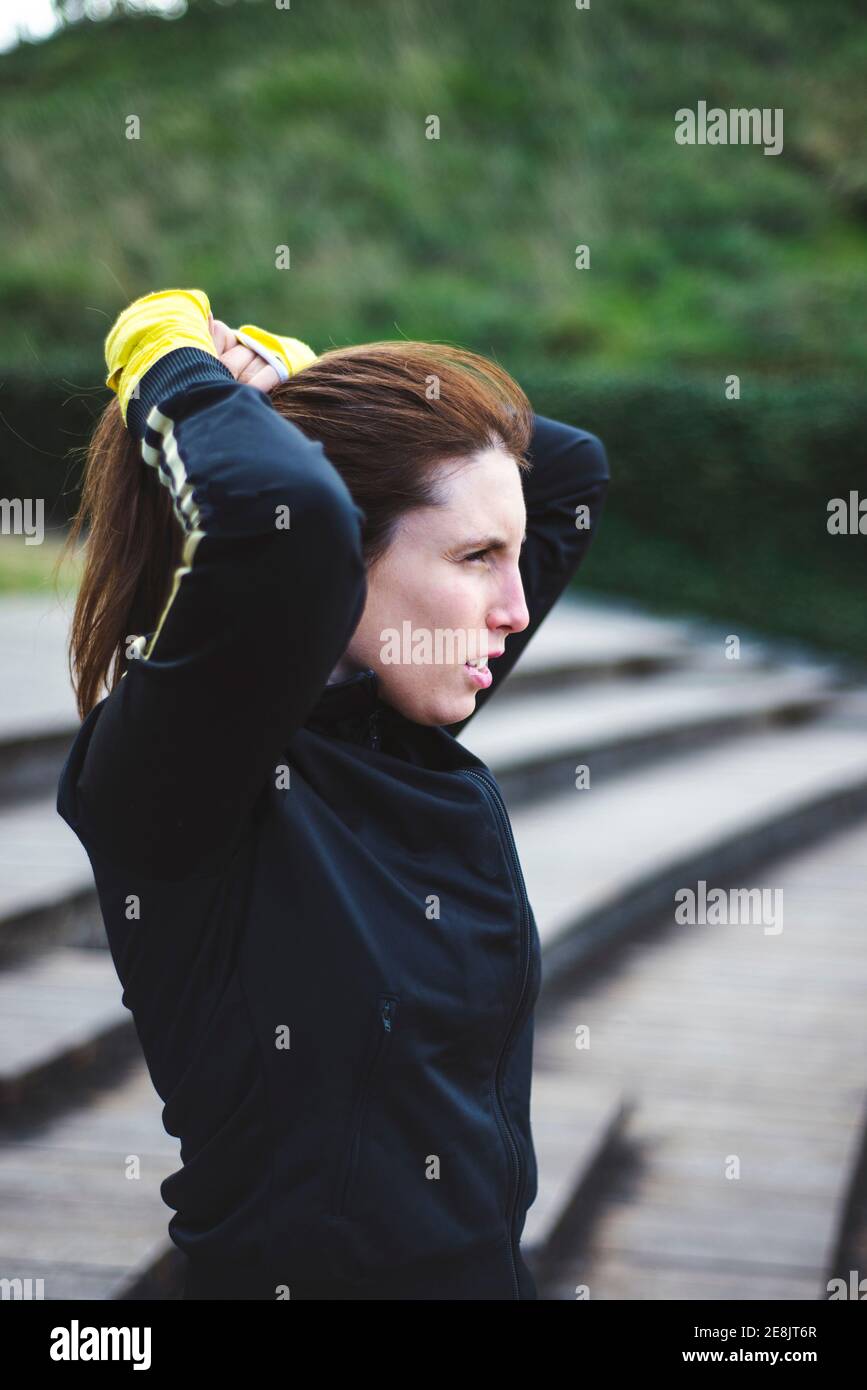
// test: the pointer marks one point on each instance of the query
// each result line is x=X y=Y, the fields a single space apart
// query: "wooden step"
x=534 y=746
x=70 y=1214
x=574 y=1129
x=47 y=892
x=733 y=1045
x=599 y=863
x=59 y=1012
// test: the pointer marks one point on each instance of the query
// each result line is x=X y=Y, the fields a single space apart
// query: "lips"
x=479 y=674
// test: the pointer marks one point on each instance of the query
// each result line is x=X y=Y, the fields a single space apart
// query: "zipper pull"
x=387 y=1013
x=373 y=729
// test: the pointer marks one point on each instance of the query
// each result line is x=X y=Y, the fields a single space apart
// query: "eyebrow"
x=489 y=543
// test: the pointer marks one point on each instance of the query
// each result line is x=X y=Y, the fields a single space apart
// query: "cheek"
x=431 y=598
x=427 y=597
x=453 y=597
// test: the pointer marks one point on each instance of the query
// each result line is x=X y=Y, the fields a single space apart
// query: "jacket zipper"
x=373 y=729
x=387 y=1009
x=493 y=793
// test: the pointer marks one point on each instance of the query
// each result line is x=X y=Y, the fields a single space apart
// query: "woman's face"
x=434 y=600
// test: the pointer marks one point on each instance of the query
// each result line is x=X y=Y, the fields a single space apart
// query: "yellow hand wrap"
x=158 y=323
x=149 y=328
x=286 y=355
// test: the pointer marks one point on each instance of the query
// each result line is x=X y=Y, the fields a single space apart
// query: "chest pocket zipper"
x=345 y=1183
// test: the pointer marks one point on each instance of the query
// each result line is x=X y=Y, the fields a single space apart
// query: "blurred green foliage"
x=306 y=127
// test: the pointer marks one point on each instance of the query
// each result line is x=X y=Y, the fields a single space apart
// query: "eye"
x=476 y=555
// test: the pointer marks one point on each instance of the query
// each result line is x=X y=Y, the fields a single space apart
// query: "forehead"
x=484 y=494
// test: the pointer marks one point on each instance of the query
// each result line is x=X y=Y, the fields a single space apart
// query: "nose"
x=511 y=610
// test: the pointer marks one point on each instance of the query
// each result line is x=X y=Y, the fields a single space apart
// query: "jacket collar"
x=353 y=708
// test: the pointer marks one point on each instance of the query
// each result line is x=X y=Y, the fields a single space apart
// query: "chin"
x=449 y=710
x=439 y=705
x=453 y=711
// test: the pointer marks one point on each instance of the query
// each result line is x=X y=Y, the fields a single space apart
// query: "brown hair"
x=388 y=414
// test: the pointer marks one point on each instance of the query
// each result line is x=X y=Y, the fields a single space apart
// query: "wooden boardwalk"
x=738 y=1045
x=706 y=1042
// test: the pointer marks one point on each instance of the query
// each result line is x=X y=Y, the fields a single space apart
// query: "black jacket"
x=314 y=905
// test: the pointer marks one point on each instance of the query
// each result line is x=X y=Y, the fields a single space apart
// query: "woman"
x=310 y=888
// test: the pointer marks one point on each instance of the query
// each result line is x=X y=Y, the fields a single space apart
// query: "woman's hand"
x=245 y=365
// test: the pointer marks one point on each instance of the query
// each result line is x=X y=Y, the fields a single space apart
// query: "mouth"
x=478 y=671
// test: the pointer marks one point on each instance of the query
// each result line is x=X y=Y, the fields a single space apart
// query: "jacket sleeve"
x=569 y=474
x=271 y=589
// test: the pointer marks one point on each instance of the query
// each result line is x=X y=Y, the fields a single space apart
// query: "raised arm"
x=271 y=589
x=569 y=473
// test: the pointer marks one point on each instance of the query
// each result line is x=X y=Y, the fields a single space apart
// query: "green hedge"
x=41 y=423
x=722 y=506
x=714 y=504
